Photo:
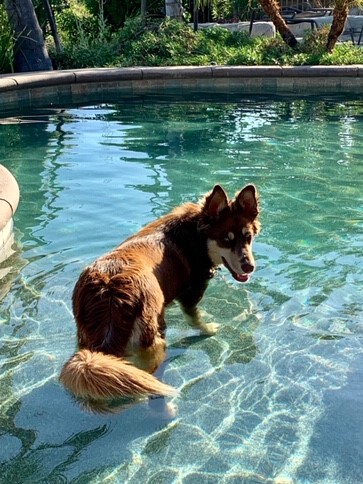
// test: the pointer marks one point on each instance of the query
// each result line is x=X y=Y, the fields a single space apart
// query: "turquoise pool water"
x=276 y=396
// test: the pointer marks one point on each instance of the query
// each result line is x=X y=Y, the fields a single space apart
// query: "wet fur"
x=119 y=301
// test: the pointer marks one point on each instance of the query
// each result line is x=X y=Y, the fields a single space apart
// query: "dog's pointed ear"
x=215 y=201
x=247 y=201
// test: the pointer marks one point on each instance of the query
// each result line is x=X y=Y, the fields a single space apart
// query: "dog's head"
x=230 y=226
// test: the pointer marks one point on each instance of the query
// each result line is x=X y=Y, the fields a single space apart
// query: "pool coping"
x=10 y=82
x=44 y=88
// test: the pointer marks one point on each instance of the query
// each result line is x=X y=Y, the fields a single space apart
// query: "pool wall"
x=9 y=199
x=41 y=89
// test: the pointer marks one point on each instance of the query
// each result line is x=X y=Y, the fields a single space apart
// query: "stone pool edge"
x=45 y=88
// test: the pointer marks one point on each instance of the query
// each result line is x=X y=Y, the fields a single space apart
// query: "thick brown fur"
x=119 y=301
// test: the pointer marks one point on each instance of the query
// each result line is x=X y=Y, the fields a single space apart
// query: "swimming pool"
x=275 y=396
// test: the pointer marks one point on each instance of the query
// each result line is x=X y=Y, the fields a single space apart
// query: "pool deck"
x=53 y=87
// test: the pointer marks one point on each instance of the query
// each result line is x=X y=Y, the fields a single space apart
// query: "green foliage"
x=6 y=44
x=116 y=11
x=343 y=54
x=158 y=43
x=222 y=9
x=226 y=9
x=87 y=42
x=90 y=41
x=74 y=20
x=41 y=12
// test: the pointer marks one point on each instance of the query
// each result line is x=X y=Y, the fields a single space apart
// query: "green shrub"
x=75 y=19
x=86 y=44
x=6 y=44
x=343 y=54
x=117 y=11
x=153 y=42
x=158 y=43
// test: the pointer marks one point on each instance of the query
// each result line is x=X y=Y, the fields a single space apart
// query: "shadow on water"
x=61 y=435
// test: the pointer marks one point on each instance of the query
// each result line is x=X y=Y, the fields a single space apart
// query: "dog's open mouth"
x=243 y=277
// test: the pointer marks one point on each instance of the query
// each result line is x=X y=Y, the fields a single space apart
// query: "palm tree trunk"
x=340 y=14
x=272 y=10
x=29 y=49
x=143 y=8
x=53 y=25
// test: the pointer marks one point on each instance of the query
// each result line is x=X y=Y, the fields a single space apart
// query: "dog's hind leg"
x=150 y=358
x=158 y=404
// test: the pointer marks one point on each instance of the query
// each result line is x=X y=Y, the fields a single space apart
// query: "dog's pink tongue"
x=241 y=277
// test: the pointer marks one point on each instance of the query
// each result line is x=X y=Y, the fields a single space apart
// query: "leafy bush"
x=86 y=43
x=116 y=11
x=156 y=42
x=74 y=20
x=343 y=54
x=6 y=44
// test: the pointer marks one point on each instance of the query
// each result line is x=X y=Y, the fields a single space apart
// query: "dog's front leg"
x=189 y=300
x=195 y=319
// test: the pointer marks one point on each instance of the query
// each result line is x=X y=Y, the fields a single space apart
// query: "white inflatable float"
x=9 y=199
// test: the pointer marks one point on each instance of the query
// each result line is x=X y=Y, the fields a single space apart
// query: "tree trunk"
x=174 y=9
x=272 y=10
x=195 y=16
x=340 y=14
x=53 y=26
x=29 y=48
x=143 y=8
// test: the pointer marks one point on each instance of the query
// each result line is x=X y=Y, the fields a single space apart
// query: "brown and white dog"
x=119 y=301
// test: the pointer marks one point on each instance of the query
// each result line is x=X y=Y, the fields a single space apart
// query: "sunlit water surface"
x=276 y=396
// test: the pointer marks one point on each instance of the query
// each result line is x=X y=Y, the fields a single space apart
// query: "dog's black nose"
x=247 y=267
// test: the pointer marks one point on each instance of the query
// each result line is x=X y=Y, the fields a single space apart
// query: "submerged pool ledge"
x=51 y=87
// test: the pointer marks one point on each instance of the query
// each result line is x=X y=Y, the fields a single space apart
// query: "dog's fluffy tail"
x=101 y=376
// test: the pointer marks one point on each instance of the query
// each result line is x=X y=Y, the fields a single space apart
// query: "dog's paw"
x=209 y=329
x=170 y=410
x=160 y=408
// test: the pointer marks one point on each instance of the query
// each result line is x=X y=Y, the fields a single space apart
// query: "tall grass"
x=88 y=41
x=6 y=44
x=174 y=43
x=93 y=43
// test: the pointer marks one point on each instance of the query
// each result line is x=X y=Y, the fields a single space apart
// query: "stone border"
x=53 y=87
